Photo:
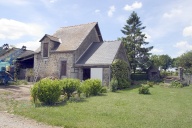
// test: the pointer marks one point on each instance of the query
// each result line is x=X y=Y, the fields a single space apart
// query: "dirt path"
x=8 y=120
x=14 y=121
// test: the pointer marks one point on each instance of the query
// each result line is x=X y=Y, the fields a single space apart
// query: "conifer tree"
x=134 y=42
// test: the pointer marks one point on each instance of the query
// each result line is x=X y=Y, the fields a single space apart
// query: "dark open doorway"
x=86 y=73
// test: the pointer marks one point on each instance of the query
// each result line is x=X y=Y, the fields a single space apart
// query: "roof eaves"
x=92 y=65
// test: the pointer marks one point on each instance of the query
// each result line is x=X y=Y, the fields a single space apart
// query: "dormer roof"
x=52 y=38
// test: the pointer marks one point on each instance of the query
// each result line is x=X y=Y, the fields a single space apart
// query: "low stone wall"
x=187 y=78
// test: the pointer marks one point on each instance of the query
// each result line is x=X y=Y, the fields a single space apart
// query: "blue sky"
x=168 y=22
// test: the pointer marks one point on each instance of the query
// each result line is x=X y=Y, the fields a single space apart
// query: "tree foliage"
x=134 y=42
x=155 y=60
x=163 y=61
x=185 y=61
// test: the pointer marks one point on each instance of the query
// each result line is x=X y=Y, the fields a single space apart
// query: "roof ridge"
x=52 y=36
x=79 y=25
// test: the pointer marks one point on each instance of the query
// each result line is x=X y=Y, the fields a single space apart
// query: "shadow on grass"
x=131 y=88
x=60 y=103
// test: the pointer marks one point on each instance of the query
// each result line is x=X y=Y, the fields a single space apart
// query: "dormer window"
x=45 y=50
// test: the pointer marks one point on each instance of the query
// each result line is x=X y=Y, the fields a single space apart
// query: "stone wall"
x=121 y=54
x=187 y=79
x=106 y=76
x=51 y=66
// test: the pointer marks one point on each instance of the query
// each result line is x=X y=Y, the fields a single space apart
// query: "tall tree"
x=165 y=61
x=134 y=42
x=155 y=60
x=185 y=61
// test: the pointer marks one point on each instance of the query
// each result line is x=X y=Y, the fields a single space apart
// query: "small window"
x=45 y=50
x=63 y=68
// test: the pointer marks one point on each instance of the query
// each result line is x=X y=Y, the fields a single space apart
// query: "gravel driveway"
x=8 y=120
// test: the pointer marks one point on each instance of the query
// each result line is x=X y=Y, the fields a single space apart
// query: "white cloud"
x=52 y=1
x=111 y=11
x=12 y=29
x=14 y=2
x=156 y=51
x=172 y=13
x=135 y=5
x=97 y=11
x=183 y=47
x=187 y=31
x=31 y=45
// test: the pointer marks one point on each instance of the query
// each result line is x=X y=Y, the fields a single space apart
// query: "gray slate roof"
x=72 y=36
x=55 y=39
x=99 y=54
x=26 y=54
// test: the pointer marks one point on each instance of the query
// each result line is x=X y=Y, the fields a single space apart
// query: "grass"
x=163 y=108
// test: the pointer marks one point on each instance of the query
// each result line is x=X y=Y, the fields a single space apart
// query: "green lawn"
x=164 y=108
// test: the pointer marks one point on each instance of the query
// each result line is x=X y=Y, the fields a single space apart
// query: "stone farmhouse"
x=77 y=52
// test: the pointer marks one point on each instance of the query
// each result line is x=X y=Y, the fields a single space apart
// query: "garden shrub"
x=144 y=89
x=47 y=91
x=176 y=84
x=113 y=85
x=120 y=72
x=85 y=88
x=150 y=83
x=123 y=83
x=69 y=85
x=103 y=89
x=91 y=87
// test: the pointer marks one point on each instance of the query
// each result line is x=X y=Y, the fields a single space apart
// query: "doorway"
x=86 y=73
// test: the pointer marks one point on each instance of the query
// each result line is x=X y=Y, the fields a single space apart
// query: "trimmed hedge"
x=69 y=85
x=91 y=87
x=47 y=91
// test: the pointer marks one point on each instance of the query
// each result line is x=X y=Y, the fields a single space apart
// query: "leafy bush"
x=103 y=89
x=120 y=72
x=176 y=84
x=91 y=87
x=123 y=83
x=150 y=83
x=47 y=91
x=85 y=88
x=144 y=89
x=69 y=86
x=113 y=85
